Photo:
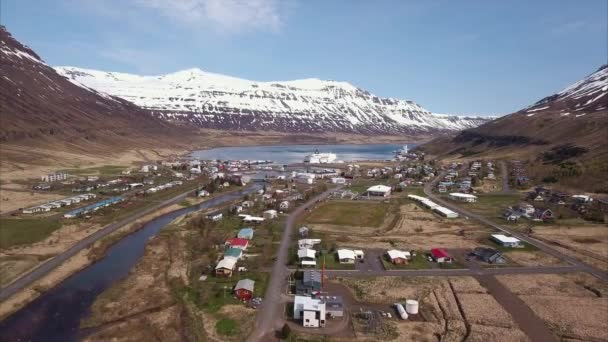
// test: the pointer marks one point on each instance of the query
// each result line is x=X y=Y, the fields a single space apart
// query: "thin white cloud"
x=230 y=16
x=569 y=27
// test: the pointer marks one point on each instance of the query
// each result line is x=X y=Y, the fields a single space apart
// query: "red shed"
x=440 y=255
x=238 y=243
x=244 y=289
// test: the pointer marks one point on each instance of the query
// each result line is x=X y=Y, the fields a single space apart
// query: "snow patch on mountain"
x=308 y=105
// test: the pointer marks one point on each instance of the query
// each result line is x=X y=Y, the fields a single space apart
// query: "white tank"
x=411 y=306
x=401 y=311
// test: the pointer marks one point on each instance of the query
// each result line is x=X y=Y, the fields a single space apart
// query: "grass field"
x=101 y=170
x=363 y=214
x=419 y=262
x=491 y=205
x=15 y=232
x=227 y=327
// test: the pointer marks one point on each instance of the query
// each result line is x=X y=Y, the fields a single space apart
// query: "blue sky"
x=462 y=57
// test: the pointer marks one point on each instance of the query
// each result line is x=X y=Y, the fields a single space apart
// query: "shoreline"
x=80 y=261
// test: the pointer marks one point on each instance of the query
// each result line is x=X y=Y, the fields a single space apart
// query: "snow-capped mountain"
x=576 y=116
x=310 y=105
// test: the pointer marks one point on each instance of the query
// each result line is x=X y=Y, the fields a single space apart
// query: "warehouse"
x=506 y=241
x=445 y=212
x=458 y=196
x=379 y=190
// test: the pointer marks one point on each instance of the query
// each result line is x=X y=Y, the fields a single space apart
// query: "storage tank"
x=401 y=311
x=411 y=306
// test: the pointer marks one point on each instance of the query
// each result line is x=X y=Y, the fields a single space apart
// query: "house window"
x=307 y=320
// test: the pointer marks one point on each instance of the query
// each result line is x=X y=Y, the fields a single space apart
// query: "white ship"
x=320 y=158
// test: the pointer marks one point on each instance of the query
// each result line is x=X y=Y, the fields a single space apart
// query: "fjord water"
x=288 y=154
x=56 y=314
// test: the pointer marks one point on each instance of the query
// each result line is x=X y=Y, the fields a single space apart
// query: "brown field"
x=12 y=266
x=574 y=306
x=588 y=239
x=442 y=299
x=533 y=258
x=415 y=228
x=145 y=289
x=154 y=326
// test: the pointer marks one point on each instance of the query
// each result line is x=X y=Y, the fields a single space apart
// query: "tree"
x=285 y=331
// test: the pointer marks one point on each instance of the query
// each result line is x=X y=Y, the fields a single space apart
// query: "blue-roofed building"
x=93 y=207
x=233 y=252
x=245 y=233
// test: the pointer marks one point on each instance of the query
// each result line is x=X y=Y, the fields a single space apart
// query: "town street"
x=270 y=314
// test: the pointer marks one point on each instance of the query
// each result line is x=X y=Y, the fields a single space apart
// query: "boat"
x=320 y=158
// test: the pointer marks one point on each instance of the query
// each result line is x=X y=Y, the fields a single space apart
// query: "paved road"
x=59 y=259
x=505 y=177
x=270 y=314
x=453 y=272
x=537 y=243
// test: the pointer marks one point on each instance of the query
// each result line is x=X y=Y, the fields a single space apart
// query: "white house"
x=379 y=190
x=310 y=310
x=346 y=256
x=457 y=196
x=306 y=256
x=252 y=219
x=270 y=214
x=308 y=243
x=398 y=257
x=506 y=241
x=284 y=205
x=215 y=216
x=304 y=180
x=338 y=180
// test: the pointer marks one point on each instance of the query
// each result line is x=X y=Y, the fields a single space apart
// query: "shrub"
x=285 y=331
x=226 y=327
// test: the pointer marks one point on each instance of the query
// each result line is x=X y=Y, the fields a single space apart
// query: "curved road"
x=537 y=243
x=59 y=259
x=270 y=314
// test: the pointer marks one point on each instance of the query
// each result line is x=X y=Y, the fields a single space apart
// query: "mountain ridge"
x=212 y=100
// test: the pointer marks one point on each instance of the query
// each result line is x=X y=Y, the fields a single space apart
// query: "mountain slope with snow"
x=310 y=105
x=576 y=116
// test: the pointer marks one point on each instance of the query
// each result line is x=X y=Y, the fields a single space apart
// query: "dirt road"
x=270 y=314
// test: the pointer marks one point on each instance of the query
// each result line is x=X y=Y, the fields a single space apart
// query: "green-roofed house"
x=245 y=233
x=233 y=252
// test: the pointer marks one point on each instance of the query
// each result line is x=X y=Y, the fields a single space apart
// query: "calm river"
x=56 y=315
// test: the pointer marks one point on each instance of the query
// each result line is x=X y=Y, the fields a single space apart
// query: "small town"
x=322 y=246
x=303 y=171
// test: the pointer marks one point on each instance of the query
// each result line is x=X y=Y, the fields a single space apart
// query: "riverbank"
x=76 y=263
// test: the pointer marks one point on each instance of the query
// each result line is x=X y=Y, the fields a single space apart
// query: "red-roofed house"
x=238 y=243
x=440 y=255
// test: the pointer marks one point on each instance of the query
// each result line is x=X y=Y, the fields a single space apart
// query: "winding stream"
x=56 y=314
